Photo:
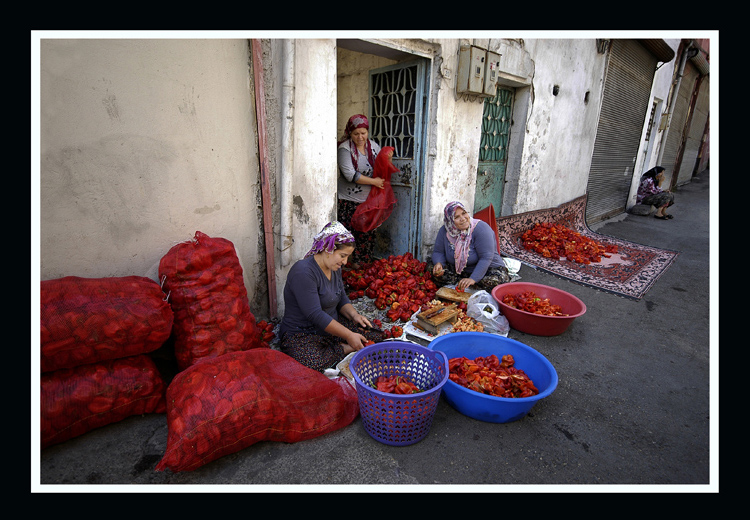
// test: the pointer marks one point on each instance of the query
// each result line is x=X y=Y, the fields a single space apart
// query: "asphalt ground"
x=636 y=406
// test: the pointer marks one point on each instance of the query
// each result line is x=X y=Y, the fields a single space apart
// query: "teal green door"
x=493 y=150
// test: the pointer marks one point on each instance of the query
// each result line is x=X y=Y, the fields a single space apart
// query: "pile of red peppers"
x=395 y=385
x=399 y=284
x=556 y=241
x=528 y=301
x=491 y=376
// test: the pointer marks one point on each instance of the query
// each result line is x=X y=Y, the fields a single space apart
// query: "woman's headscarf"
x=458 y=239
x=332 y=233
x=357 y=121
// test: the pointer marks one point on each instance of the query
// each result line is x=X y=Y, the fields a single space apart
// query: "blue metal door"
x=398 y=106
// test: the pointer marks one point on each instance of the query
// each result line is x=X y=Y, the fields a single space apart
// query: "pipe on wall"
x=287 y=151
x=260 y=115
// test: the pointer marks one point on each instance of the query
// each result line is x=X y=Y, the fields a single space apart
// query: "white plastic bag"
x=483 y=308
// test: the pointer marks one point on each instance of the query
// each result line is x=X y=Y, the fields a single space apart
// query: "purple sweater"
x=482 y=252
x=311 y=300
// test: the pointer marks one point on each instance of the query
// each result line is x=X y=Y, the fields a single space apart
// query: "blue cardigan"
x=482 y=251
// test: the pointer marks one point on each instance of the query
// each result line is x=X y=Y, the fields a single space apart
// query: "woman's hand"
x=354 y=342
x=438 y=270
x=464 y=283
x=378 y=182
x=361 y=321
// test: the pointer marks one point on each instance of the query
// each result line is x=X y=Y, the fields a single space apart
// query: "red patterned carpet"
x=630 y=273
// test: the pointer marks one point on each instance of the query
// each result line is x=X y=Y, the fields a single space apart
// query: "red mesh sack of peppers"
x=379 y=203
x=86 y=320
x=77 y=400
x=225 y=404
x=203 y=280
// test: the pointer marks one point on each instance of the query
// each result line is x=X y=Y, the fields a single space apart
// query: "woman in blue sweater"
x=465 y=252
x=320 y=325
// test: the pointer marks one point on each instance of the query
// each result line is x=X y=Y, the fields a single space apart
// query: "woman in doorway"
x=320 y=325
x=356 y=160
x=465 y=252
x=651 y=194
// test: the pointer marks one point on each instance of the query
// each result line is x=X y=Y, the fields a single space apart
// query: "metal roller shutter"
x=677 y=125
x=695 y=134
x=627 y=90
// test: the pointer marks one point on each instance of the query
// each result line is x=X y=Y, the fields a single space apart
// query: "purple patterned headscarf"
x=332 y=233
x=459 y=240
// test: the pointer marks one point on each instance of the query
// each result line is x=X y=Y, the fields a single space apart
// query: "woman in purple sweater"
x=320 y=325
x=650 y=193
x=465 y=252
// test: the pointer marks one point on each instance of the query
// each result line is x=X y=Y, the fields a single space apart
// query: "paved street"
x=634 y=405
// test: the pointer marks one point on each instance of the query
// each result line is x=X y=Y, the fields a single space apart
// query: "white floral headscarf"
x=332 y=233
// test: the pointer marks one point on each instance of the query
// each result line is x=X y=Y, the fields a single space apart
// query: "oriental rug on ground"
x=630 y=273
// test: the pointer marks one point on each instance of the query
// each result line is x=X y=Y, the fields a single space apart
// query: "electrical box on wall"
x=492 y=64
x=471 y=68
x=477 y=71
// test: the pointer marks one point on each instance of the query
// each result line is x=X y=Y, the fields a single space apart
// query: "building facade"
x=142 y=142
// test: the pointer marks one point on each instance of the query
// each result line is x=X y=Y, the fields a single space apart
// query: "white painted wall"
x=453 y=149
x=552 y=137
x=142 y=143
x=303 y=127
x=560 y=130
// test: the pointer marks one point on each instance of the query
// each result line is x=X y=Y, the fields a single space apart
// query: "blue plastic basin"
x=489 y=408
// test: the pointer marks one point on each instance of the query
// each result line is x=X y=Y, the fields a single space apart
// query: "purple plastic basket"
x=398 y=419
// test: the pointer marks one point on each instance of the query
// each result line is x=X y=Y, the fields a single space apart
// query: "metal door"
x=493 y=150
x=398 y=109
x=625 y=104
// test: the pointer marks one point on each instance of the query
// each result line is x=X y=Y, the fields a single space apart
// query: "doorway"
x=493 y=150
x=397 y=108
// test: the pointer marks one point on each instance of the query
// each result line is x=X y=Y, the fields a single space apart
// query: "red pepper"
x=489 y=375
x=395 y=385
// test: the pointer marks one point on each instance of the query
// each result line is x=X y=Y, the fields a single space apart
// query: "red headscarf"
x=357 y=121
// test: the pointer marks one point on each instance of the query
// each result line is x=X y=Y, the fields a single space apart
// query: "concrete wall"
x=300 y=81
x=552 y=137
x=352 y=84
x=560 y=130
x=142 y=143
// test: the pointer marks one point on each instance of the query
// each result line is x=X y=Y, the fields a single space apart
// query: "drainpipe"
x=260 y=114
x=287 y=150
x=673 y=99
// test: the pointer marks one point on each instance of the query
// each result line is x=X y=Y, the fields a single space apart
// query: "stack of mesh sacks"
x=96 y=334
x=232 y=390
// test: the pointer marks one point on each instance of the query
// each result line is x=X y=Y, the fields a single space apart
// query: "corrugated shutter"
x=677 y=125
x=695 y=134
x=627 y=90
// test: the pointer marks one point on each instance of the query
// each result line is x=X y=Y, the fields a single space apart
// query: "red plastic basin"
x=537 y=324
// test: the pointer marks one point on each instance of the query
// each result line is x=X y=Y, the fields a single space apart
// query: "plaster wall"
x=301 y=89
x=454 y=132
x=352 y=84
x=142 y=143
x=559 y=128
